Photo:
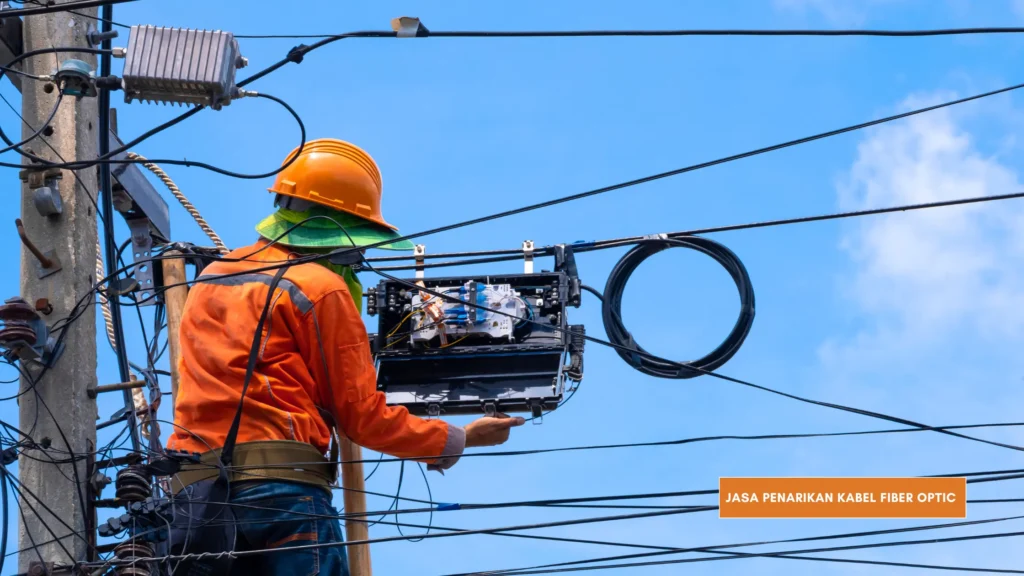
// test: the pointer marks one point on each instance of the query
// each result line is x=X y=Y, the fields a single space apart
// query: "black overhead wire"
x=692 y=32
x=62 y=7
x=582 y=501
x=106 y=197
x=667 y=550
x=684 y=441
x=579 y=521
x=591 y=520
x=751 y=555
x=510 y=254
x=587 y=247
x=6 y=519
x=684 y=170
x=106 y=157
x=517 y=254
x=298 y=53
x=693 y=440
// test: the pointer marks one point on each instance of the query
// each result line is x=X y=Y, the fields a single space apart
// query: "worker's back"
x=283 y=400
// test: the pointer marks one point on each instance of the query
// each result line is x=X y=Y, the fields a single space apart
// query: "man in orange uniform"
x=311 y=373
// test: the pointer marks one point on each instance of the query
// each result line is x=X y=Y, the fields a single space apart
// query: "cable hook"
x=43 y=260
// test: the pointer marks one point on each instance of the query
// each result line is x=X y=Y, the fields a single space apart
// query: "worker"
x=312 y=374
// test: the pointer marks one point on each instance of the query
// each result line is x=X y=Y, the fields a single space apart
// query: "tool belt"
x=267 y=460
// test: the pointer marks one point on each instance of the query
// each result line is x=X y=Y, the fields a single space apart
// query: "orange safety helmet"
x=335 y=174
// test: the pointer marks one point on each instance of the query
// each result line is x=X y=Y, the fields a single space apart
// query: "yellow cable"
x=402 y=321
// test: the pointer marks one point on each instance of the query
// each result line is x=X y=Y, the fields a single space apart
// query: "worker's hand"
x=491 y=431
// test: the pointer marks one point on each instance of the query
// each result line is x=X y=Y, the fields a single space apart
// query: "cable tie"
x=441 y=507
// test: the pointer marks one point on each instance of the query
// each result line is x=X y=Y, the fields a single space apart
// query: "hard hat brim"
x=324 y=233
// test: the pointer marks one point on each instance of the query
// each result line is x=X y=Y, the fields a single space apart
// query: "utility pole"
x=356 y=528
x=58 y=408
x=174 y=298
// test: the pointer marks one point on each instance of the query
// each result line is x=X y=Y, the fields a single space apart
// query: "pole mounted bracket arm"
x=148 y=219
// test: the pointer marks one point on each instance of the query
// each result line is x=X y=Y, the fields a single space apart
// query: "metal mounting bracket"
x=53 y=268
x=528 y=256
x=419 y=252
x=490 y=409
x=142 y=250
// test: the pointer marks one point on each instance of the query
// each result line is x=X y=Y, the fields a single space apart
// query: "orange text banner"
x=842 y=497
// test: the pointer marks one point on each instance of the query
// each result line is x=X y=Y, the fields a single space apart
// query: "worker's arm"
x=340 y=361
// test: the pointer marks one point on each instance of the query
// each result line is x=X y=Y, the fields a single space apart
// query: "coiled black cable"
x=633 y=353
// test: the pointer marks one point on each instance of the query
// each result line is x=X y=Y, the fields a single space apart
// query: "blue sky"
x=916 y=315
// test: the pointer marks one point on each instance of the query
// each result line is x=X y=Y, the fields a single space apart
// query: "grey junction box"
x=182 y=66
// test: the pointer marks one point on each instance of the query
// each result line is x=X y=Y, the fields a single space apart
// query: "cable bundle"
x=628 y=349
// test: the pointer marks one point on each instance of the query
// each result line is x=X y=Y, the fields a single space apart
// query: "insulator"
x=129 y=551
x=133 y=484
x=15 y=330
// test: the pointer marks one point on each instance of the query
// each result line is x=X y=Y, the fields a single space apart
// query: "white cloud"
x=921 y=280
x=838 y=12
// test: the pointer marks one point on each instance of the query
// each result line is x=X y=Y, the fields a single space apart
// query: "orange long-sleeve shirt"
x=315 y=355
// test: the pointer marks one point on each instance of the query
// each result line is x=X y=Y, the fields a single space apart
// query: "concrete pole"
x=59 y=407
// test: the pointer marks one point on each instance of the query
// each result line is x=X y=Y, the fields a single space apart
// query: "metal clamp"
x=37 y=568
x=528 y=256
x=433 y=410
x=419 y=252
x=47 y=201
x=37 y=177
x=45 y=191
x=409 y=27
x=490 y=408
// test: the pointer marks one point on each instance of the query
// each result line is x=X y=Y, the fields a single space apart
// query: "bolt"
x=43 y=305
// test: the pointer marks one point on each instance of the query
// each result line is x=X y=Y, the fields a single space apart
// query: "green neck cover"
x=355 y=287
